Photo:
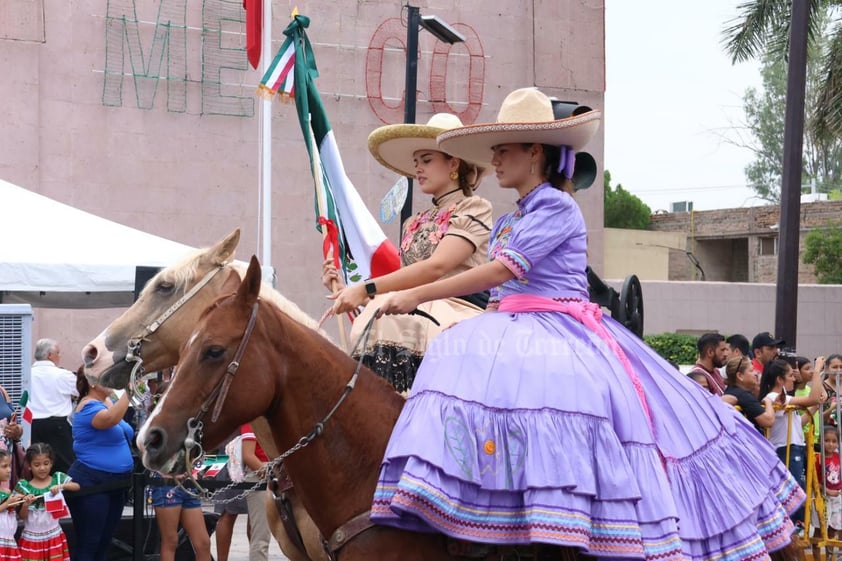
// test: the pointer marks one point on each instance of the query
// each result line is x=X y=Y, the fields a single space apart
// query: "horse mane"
x=292 y=332
x=183 y=273
x=287 y=306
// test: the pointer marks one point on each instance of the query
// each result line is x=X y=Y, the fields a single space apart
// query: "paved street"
x=240 y=544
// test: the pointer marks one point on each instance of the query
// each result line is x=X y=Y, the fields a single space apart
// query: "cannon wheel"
x=631 y=305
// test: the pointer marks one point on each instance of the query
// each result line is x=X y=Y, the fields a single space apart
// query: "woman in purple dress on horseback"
x=546 y=422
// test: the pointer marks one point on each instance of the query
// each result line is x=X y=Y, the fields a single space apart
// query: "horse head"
x=206 y=377
x=105 y=357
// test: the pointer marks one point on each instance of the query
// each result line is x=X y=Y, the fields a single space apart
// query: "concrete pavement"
x=240 y=544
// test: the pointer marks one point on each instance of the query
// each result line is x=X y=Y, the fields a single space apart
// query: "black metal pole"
x=786 y=299
x=413 y=22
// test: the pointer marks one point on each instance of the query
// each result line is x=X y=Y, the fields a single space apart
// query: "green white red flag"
x=360 y=247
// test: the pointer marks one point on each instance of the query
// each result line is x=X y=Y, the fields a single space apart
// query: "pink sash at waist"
x=588 y=314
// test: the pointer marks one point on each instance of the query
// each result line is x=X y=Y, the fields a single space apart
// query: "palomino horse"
x=203 y=274
x=332 y=416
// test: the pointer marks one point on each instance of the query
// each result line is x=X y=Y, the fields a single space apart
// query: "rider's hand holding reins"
x=348 y=299
x=400 y=302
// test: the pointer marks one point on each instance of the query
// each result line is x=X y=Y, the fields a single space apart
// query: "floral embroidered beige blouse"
x=454 y=214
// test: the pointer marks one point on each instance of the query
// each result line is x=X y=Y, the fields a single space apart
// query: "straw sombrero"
x=394 y=145
x=525 y=116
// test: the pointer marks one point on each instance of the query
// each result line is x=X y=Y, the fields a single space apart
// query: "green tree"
x=623 y=209
x=823 y=250
x=762 y=27
x=763 y=129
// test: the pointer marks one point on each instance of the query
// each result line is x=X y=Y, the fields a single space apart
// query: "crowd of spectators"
x=789 y=398
x=83 y=438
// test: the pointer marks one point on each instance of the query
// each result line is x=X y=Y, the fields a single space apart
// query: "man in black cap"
x=765 y=349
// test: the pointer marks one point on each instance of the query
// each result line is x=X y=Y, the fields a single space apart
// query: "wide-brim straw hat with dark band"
x=526 y=116
x=394 y=146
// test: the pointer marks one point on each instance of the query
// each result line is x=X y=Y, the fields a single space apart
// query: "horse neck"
x=335 y=475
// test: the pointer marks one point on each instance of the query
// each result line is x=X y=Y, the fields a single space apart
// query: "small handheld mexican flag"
x=27 y=412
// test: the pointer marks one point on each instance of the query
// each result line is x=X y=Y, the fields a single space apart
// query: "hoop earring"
x=454 y=175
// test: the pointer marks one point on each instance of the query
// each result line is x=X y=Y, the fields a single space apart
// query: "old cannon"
x=626 y=306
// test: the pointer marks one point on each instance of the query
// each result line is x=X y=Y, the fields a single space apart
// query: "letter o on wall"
x=394 y=30
x=476 y=75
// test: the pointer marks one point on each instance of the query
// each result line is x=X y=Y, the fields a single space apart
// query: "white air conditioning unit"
x=16 y=353
x=681 y=206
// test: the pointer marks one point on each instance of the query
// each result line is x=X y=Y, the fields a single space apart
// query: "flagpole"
x=322 y=206
x=266 y=142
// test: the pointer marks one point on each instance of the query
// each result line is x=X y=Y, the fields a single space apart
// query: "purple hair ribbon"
x=566 y=161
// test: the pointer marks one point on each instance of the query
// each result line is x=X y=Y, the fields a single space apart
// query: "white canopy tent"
x=54 y=255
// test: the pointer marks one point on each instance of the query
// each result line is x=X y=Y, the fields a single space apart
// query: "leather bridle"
x=135 y=343
x=193 y=441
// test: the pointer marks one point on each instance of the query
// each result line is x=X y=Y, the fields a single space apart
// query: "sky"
x=671 y=95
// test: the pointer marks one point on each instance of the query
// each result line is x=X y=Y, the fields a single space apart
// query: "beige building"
x=145 y=113
x=738 y=244
x=643 y=253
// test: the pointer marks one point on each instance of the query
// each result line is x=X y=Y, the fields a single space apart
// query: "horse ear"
x=250 y=288
x=232 y=283
x=224 y=250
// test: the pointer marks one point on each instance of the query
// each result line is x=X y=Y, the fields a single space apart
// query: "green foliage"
x=823 y=250
x=623 y=209
x=677 y=347
x=762 y=29
x=764 y=128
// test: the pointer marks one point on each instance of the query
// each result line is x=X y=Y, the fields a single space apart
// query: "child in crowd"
x=175 y=507
x=831 y=381
x=830 y=475
x=8 y=517
x=42 y=537
x=700 y=379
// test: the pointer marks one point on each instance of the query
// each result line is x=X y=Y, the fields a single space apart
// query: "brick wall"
x=752 y=224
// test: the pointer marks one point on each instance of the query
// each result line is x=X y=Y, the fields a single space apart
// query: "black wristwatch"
x=370 y=288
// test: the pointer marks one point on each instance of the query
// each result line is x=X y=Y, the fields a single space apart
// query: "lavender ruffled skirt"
x=526 y=427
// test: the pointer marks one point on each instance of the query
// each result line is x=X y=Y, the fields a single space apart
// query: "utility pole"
x=786 y=295
x=413 y=21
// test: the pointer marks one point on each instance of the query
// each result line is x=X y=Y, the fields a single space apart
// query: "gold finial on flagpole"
x=294 y=12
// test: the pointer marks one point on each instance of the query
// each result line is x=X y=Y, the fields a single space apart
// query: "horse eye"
x=164 y=287
x=214 y=352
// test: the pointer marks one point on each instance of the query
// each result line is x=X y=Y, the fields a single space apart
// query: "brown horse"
x=106 y=360
x=293 y=377
x=247 y=358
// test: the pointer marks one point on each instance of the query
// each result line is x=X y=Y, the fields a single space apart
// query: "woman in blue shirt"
x=101 y=442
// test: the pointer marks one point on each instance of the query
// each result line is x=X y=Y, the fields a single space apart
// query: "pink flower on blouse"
x=444 y=217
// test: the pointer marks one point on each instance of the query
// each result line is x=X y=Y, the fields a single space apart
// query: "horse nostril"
x=155 y=440
x=89 y=355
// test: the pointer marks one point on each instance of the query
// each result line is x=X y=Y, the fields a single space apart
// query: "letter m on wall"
x=124 y=54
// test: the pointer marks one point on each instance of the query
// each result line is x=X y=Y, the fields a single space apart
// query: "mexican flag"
x=27 y=412
x=359 y=245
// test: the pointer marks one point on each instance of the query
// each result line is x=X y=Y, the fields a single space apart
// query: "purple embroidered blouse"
x=544 y=243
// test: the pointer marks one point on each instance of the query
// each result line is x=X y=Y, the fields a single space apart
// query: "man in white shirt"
x=51 y=394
